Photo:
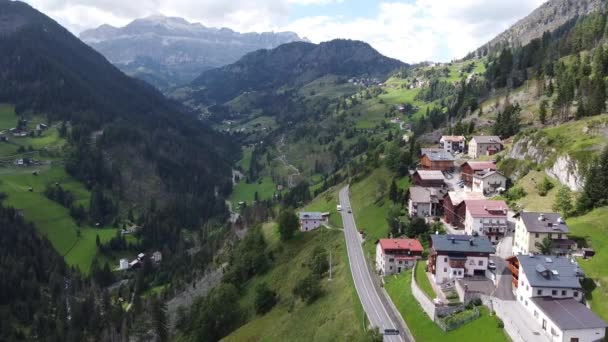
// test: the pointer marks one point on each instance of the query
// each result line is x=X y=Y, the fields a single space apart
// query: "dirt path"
x=283 y=158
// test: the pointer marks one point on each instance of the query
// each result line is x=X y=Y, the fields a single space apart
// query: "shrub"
x=265 y=299
x=308 y=289
x=544 y=186
x=477 y=302
x=500 y=323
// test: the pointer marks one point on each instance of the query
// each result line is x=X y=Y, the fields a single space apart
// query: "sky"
x=410 y=30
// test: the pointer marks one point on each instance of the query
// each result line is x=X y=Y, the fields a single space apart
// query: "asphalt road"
x=368 y=295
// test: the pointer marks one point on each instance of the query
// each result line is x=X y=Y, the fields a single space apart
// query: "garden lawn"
x=483 y=329
x=594 y=227
x=423 y=280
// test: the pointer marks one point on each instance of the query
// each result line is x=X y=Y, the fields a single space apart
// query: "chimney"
x=471 y=241
x=453 y=239
x=541 y=217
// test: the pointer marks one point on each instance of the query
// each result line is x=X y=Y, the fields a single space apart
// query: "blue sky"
x=410 y=30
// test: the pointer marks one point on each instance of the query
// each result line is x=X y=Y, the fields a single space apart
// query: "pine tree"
x=542 y=112
x=159 y=317
x=394 y=192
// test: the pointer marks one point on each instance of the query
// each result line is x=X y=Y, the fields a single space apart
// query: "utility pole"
x=330 y=264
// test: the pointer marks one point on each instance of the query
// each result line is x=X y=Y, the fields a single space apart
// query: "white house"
x=123 y=264
x=424 y=202
x=453 y=257
x=486 y=217
x=490 y=182
x=549 y=289
x=395 y=255
x=312 y=220
x=531 y=228
x=484 y=145
x=452 y=143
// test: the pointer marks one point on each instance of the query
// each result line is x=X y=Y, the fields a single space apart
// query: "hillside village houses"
x=428 y=178
x=471 y=168
x=484 y=146
x=452 y=143
x=487 y=218
x=489 y=182
x=425 y=202
x=550 y=290
x=436 y=159
x=531 y=228
x=453 y=257
x=395 y=255
x=312 y=220
x=454 y=206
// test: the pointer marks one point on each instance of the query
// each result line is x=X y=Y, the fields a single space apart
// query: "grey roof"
x=437 y=154
x=461 y=243
x=311 y=216
x=543 y=223
x=420 y=194
x=483 y=174
x=430 y=174
x=550 y=271
x=487 y=139
x=568 y=313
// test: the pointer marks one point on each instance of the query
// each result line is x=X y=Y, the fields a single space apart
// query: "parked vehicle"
x=491 y=265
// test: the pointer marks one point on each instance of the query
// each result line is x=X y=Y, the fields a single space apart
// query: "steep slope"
x=548 y=17
x=124 y=134
x=291 y=65
x=167 y=51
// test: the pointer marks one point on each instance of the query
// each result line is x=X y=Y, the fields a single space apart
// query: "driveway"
x=517 y=322
x=504 y=287
x=376 y=311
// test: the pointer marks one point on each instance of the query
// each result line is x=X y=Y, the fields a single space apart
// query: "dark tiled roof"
x=437 y=154
x=569 y=314
x=549 y=223
x=461 y=243
x=550 y=271
x=311 y=216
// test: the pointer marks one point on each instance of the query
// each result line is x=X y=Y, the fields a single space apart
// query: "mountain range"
x=169 y=51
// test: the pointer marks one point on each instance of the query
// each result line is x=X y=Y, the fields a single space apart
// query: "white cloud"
x=415 y=31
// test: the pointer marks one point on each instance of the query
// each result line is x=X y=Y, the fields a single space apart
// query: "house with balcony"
x=425 y=202
x=312 y=220
x=471 y=168
x=484 y=145
x=486 y=217
x=428 y=178
x=454 y=207
x=436 y=159
x=452 y=143
x=395 y=255
x=531 y=228
x=550 y=290
x=453 y=257
x=489 y=182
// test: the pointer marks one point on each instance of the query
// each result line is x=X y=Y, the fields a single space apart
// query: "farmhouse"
x=453 y=257
x=489 y=182
x=312 y=220
x=425 y=202
x=452 y=143
x=436 y=159
x=531 y=228
x=486 y=217
x=470 y=168
x=428 y=178
x=454 y=206
x=394 y=255
x=484 y=146
x=549 y=289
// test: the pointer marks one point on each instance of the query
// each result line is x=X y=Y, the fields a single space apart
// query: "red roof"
x=401 y=244
x=481 y=165
x=486 y=208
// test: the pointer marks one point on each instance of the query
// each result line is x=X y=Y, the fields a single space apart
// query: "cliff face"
x=548 y=17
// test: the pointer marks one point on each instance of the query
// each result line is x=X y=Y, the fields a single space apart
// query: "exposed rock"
x=548 y=17
x=567 y=172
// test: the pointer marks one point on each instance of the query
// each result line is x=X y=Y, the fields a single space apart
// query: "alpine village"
x=276 y=189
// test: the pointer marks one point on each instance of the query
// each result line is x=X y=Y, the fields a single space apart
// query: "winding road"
x=379 y=314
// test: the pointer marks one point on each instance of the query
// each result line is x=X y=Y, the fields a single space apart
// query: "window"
x=554 y=293
x=544 y=325
x=550 y=236
x=521 y=298
x=535 y=314
x=400 y=262
x=536 y=235
x=480 y=263
x=391 y=260
x=559 y=236
x=564 y=292
x=390 y=268
x=553 y=332
x=539 y=292
x=527 y=287
x=522 y=283
x=526 y=303
x=574 y=339
x=445 y=269
x=445 y=259
x=455 y=273
x=575 y=294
